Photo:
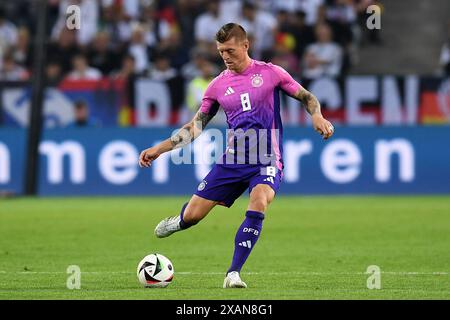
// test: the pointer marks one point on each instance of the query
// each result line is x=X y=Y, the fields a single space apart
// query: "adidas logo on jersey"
x=269 y=179
x=246 y=244
x=229 y=91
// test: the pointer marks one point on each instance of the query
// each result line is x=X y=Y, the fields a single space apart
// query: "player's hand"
x=148 y=156
x=322 y=126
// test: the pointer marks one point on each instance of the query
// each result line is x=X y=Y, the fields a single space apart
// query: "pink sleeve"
x=286 y=82
x=209 y=101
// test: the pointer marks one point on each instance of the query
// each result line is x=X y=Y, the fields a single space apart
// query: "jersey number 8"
x=245 y=101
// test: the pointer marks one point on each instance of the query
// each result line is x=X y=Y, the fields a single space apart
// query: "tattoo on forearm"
x=309 y=100
x=190 y=131
x=182 y=137
x=202 y=119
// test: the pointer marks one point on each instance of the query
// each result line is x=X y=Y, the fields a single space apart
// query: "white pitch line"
x=317 y=273
x=401 y=273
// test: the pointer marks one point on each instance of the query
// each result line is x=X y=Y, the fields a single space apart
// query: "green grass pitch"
x=310 y=248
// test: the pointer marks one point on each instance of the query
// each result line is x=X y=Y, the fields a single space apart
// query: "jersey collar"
x=245 y=71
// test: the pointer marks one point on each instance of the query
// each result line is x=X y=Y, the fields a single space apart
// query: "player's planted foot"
x=168 y=226
x=233 y=280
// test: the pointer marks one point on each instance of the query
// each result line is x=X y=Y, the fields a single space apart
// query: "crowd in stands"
x=162 y=39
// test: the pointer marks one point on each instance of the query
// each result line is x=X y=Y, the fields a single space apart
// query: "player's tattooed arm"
x=310 y=102
x=312 y=105
x=202 y=119
x=182 y=137
x=190 y=131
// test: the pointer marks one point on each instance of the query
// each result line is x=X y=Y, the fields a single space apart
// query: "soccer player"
x=248 y=92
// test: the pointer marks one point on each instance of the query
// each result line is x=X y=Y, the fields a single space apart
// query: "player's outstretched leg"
x=191 y=213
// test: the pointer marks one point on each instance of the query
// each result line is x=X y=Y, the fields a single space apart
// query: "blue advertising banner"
x=377 y=160
x=12 y=159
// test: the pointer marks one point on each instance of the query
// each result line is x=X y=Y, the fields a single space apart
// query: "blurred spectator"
x=129 y=8
x=161 y=69
x=312 y=9
x=324 y=57
x=10 y=71
x=294 y=24
x=110 y=17
x=101 y=55
x=186 y=13
x=341 y=16
x=157 y=30
x=52 y=15
x=445 y=55
x=82 y=71
x=179 y=55
x=81 y=113
x=88 y=18
x=8 y=32
x=260 y=26
x=139 y=49
x=230 y=10
x=288 y=6
x=195 y=90
x=207 y=24
x=193 y=68
x=22 y=48
x=127 y=69
x=197 y=86
x=122 y=24
x=20 y=12
x=284 y=54
x=127 y=74
x=64 y=49
x=283 y=22
x=53 y=73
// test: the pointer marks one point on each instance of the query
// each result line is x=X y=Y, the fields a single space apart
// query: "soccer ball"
x=155 y=271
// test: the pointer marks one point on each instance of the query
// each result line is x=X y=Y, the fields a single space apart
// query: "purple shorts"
x=226 y=183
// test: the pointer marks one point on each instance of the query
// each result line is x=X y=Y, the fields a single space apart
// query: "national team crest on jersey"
x=257 y=80
x=202 y=185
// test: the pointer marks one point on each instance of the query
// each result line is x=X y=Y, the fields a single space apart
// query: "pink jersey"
x=250 y=100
